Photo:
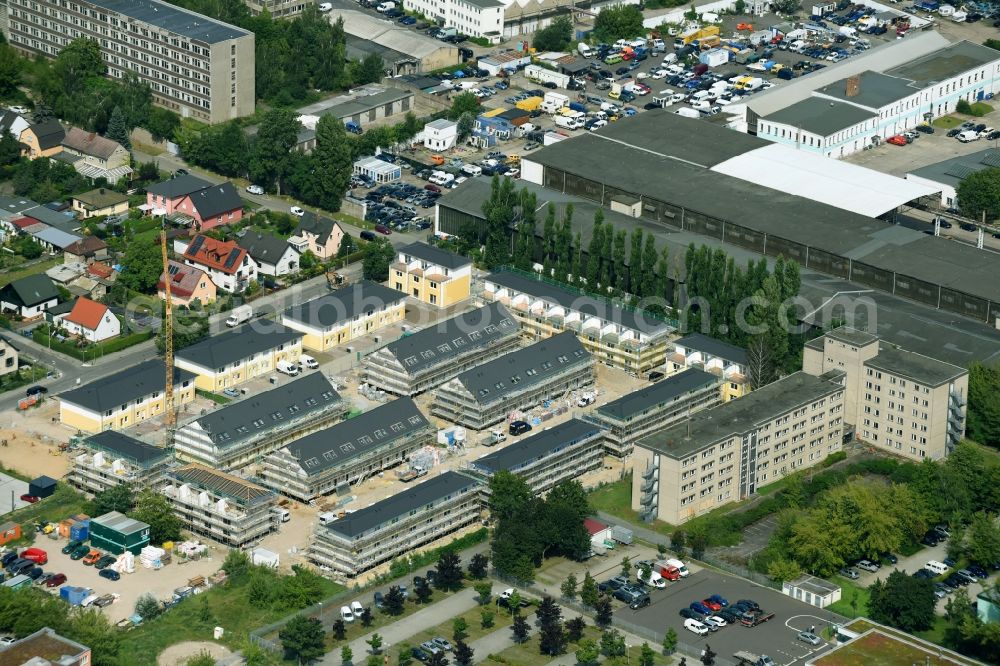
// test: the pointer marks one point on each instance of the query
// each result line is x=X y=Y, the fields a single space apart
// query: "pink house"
x=207 y=204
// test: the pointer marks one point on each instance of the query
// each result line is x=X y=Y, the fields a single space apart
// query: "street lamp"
x=320 y=613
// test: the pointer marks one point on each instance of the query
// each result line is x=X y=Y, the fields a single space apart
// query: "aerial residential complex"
x=654 y=407
x=487 y=393
x=902 y=402
x=431 y=275
x=347 y=453
x=222 y=507
x=111 y=458
x=560 y=453
x=430 y=357
x=726 y=453
x=618 y=336
x=196 y=66
x=237 y=356
x=123 y=399
x=431 y=510
x=345 y=315
x=726 y=361
x=243 y=432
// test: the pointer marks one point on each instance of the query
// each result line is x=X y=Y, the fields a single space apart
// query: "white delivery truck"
x=308 y=361
x=539 y=74
x=554 y=102
x=687 y=112
x=584 y=50
x=288 y=368
x=240 y=315
x=567 y=122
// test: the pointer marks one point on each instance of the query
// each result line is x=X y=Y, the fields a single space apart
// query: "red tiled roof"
x=87 y=313
x=23 y=222
x=184 y=279
x=593 y=526
x=223 y=256
x=100 y=269
x=86 y=246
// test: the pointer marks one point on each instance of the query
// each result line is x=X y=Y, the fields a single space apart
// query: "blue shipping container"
x=79 y=532
x=74 y=595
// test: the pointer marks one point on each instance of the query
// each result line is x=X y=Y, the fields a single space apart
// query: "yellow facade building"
x=726 y=361
x=237 y=356
x=431 y=275
x=345 y=315
x=123 y=399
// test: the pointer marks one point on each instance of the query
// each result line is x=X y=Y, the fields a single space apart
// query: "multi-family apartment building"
x=221 y=507
x=349 y=452
x=560 y=453
x=345 y=314
x=521 y=379
x=428 y=358
x=112 y=458
x=397 y=525
x=899 y=401
x=244 y=432
x=628 y=339
x=123 y=399
x=725 y=361
x=431 y=275
x=725 y=453
x=237 y=356
x=653 y=408
x=196 y=66
x=45 y=648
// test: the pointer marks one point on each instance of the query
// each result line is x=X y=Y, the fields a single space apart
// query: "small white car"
x=325 y=6
x=696 y=627
x=296 y=211
x=598 y=125
x=716 y=620
x=659 y=74
x=357 y=608
x=19 y=109
x=255 y=189
x=346 y=615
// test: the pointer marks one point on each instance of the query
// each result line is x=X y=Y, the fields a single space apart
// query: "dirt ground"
x=180 y=653
x=32 y=441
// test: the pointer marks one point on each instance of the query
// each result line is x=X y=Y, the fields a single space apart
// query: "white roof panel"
x=833 y=182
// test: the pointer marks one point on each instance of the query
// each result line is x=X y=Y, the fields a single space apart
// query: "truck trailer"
x=539 y=74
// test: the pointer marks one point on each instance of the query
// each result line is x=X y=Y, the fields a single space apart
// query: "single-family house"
x=87 y=250
x=90 y=320
x=227 y=264
x=100 y=270
x=42 y=139
x=30 y=296
x=274 y=256
x=101 y=201
x=187 y=284
x=52 y=239
x=8 y=357
x=206 y=205
x=441 y=134
x=14 y=123
x=95 y=156
x=319 y=235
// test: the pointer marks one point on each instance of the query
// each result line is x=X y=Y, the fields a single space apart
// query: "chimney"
x=853 y=85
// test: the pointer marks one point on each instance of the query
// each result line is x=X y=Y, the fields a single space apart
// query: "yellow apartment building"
x=123 y=399
x=237 y=356
x=345 y=314
x=431 y=275
x=725 y=361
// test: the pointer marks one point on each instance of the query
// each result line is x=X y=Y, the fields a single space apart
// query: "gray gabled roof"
x=49 y=133
x=118 y=443
x=718 y=348
x=440 y=342
x=435 y=255
x=321 y=227
x=129 y=384
x=520 y=369
x=217 y=199
x=263 y=411
x=235 y=345
x=355 y=437
x=529 y=449
x=432 y=490
x=31 y=290
x=658 y=393
x=263 y=248
x=344 y=304
x=178 y=186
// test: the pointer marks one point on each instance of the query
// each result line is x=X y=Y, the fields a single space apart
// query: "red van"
x=36 y=555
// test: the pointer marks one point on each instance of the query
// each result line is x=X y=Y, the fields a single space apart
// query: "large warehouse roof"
x=848 y=186
x=388 y=34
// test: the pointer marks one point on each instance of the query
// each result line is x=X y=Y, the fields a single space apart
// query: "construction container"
x=18 y=582
x=530 y=104
x=43 y=486
x=621 y=534
x=73 y=595
x=80 y=531
x=81 y=516
x=115 y=532
x=65 y=527
x=9 y=532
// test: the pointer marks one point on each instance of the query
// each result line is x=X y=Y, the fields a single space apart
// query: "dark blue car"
x=110 y=574
x=699 y=607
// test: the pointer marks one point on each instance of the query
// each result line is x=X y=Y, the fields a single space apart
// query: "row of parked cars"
x=715 y=612
x=969 y=131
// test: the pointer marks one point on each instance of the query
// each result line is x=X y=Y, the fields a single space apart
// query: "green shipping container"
x=115 y=533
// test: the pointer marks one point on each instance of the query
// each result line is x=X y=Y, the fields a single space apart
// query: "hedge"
x=92 y=351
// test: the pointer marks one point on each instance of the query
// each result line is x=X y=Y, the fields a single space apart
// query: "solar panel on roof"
x=172 y=269
x=195 y=245
x=960 y=170
x=234 y=254
x=991 y=159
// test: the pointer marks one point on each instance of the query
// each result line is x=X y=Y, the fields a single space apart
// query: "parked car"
x=699 y=607
x=716 y=621
x=848 y=572
x=296 y=211
x=809 y=637
x=696 y=627
x=441 y=643
x=712 y=605
x=379 y=599
x=719 y=599
x=866 y=565
x=421 y=654
x=91 y=557
x=105 y=562
x=345 y=614
x=56 y=580
x=255 y=189
x=80 y=552
x=30 y=499
x=612 y=584
x=690 y=614
x=110 y=574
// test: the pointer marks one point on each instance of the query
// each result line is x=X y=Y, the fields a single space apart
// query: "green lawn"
x=526 y=654
x=615 y=498
x=980 y=109
x=475 y=630
x=947 y=122
x=7 y=277
x=214 y=397
x=853 y=600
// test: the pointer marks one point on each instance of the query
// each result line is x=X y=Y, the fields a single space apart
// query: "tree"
x=459 y=629
x=903 y=602
x=303 y=638
x=339 y=629
x=520 y=629
x=162 y=124
x=486 y=618
x=236 y=565
x=613 y=643
x=393 y=602
x=620 y=22
x=760 y=363
x=153 y=509
x=984 y=539
x=786 y=6
x=11 y=67
x=466 y=123
x=979 y=193
x=603 y=612
x=587 y=652
x=92 y=628
x=646 y=655
x=525 y=249
x=147 y=607
x=463 y=653
x=334 y=161
x=649 y=260
x=377 y=255
x=438 y=659
x=983 y=414
x=555 y=37
x=708 y=656
x=366 y=617
x=698 y=544
x=568 y=587
x=781 y=569
x=626 y=567
x=498 y=210
x=509 y=496
x=117 y=128
x=270 y=156
x=370 y=69
x=574 y=628
x=484 y=591
x=346 y=654
x=669 y=642
x=449 y=571
x=141 y=267
x=621 y=276
x=375 y=643
x=594 y=251
x=478 y=566
x=10 y=148
x=423 y=593
x=588 y=590
x=117 y=498
x=463 y=103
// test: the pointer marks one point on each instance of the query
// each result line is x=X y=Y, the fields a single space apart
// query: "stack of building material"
x=191 y=549
x=64 y=527
x=150 y=557
x=126 y=563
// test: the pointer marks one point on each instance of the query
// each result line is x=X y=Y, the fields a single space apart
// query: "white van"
x=677 y=564
x=584 y=50
x=386 y=6
x=472 y=170
x=937 y=567
x=287 y=368
x=285 y=514
x=308 y=362
x=967 y=136
x=327 y=517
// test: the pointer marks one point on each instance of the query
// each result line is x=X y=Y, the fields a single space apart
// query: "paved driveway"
x=11 y=490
